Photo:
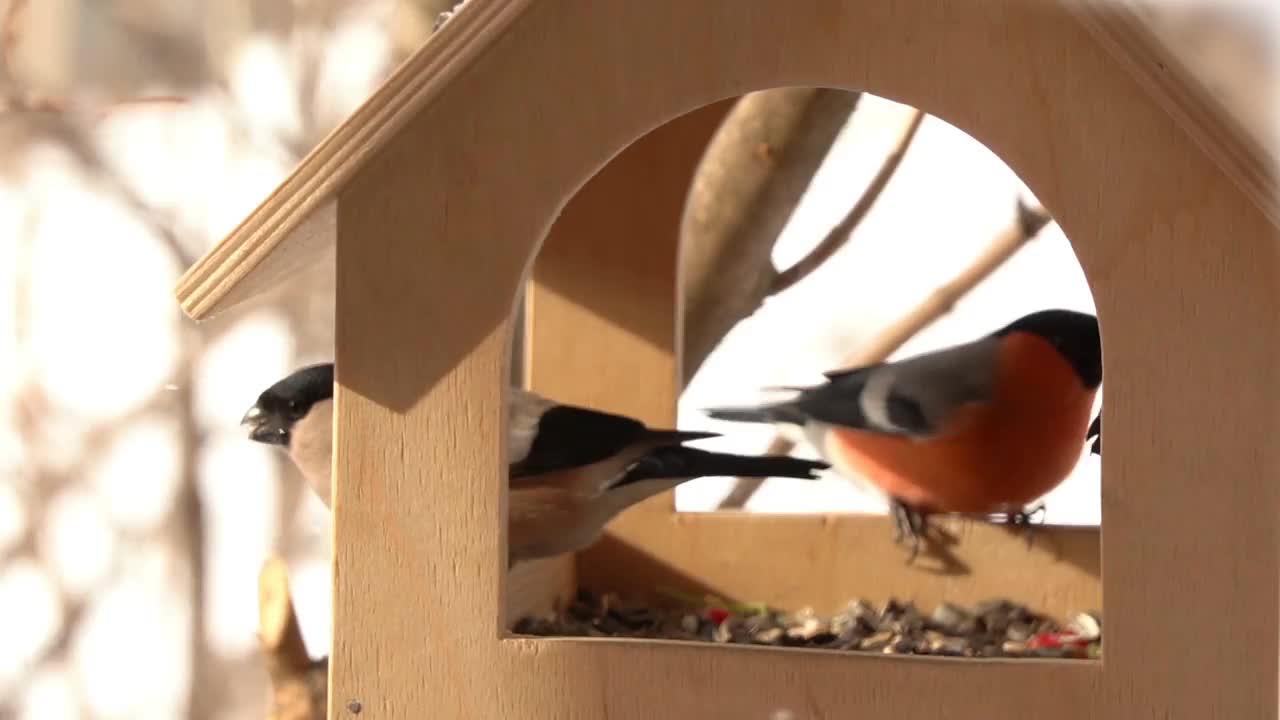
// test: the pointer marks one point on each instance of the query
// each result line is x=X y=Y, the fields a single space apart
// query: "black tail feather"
x=1095 y=431
x=676 y=437
x=685 y=462
x=777 y=413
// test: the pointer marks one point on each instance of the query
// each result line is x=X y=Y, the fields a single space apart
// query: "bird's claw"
x=909 y=525
x=1026 y=518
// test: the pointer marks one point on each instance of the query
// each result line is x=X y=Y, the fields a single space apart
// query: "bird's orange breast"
x=1008 y=451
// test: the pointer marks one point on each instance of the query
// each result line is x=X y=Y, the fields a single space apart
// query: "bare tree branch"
x=190 y=515
x=1028 y=224
x=68 y=121
x=756 y=169
x=843 y=230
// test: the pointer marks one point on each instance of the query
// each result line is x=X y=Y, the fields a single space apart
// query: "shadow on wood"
x=825 y=561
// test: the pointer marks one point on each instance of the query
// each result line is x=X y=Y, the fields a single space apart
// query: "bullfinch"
x=985 y=427
x=571 y=469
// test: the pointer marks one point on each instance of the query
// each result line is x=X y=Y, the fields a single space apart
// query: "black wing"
x=839 y=402
x=569 y=437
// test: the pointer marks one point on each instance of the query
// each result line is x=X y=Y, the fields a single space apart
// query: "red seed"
x=1045 y=640
x=717 y=615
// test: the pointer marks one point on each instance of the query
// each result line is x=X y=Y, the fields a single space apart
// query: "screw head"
x=354 y=707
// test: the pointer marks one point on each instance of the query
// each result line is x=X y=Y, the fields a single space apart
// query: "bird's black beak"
x=264 y=427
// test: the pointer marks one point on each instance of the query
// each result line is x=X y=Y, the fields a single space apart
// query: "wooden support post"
x=441 y=216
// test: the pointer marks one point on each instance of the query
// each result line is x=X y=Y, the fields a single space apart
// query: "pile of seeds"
x=995 y=628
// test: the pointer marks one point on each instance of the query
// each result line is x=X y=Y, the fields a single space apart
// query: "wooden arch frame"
x=480 y=140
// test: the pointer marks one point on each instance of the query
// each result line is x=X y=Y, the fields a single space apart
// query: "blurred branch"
x=54 y=119
x=70 y=122
x=10 y=33
x=170 y=54
x=161 y=227
x=756 y=168
x=59 y=119
x=18 y=99
x=191 y=524
x=31 y=417
x=299 y=684
x=1029 y=223
x=843 y=230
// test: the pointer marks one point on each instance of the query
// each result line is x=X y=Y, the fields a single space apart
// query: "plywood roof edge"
x=333 y=162
x=421 y=77
x=1130 y=40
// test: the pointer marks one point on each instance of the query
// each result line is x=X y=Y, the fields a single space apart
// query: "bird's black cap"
x=272 y=417
x=1073 y=334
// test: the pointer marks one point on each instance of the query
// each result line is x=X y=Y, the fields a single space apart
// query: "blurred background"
x=134 y=514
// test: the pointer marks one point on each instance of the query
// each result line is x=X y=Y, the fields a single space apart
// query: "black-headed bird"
x=571 y=469
x=982 y=428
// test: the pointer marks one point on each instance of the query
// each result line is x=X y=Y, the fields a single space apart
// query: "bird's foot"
x=909 y=525
x=1025 y=517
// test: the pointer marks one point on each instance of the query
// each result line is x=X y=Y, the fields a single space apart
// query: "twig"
x=123 y=103
x=192 y=521
x=64 y=125
x=69 y=120
x=78 y=141
x=843 y=230
x=20 y=101
x=1029 y=223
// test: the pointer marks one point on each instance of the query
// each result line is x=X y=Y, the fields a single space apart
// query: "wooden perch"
x=1029 y=223
x=299 y=684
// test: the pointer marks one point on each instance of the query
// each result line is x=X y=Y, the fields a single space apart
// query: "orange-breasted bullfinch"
x=571 y=469
x=985 y=427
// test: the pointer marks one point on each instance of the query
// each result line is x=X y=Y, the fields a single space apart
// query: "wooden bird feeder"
x=573 y=127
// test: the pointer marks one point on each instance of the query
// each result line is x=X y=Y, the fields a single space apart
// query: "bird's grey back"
x=911 y=397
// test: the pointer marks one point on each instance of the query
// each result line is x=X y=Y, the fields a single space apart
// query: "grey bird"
x=571 y=469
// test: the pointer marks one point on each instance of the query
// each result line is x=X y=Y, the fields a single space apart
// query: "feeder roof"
x=295 y=225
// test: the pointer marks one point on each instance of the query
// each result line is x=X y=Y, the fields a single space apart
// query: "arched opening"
x=937 y=260
x=949 y=220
